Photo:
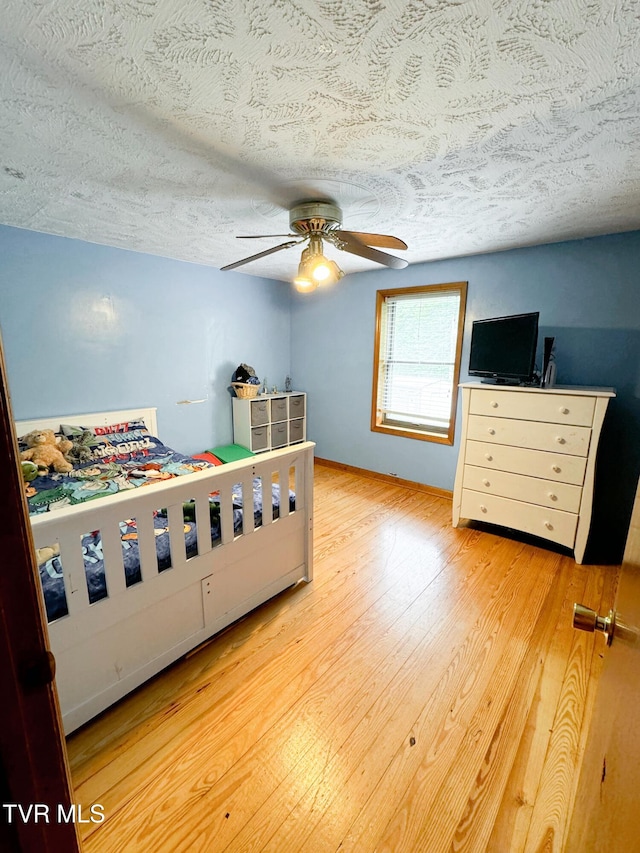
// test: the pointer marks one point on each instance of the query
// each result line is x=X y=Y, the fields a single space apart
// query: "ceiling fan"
x=314 y=222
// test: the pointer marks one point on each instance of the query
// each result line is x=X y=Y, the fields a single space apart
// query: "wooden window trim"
x=376 y=418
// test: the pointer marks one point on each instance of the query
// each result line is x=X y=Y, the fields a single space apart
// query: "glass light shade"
x=336 y=272
x=323 y=271
x=315 y=269
x=319 y=269
x=304 y=284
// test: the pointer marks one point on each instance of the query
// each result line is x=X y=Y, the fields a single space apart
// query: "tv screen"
x=503 y=349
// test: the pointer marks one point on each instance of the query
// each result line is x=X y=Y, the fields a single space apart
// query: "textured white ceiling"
x=461 y=126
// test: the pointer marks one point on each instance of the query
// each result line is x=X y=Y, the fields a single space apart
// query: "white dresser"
x=527 y=459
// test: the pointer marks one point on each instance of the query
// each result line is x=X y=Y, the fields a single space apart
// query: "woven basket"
x=245 y=390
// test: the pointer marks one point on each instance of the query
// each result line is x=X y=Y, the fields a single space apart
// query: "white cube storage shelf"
x=527 y=459
x=270 y=421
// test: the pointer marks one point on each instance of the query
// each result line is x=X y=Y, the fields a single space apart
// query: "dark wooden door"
x=34 y=773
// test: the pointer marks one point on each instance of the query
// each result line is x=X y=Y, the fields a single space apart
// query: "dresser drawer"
x=552 y=524
x=572 y=440
x=529 y=489
x=534 y=406
x=534 y=463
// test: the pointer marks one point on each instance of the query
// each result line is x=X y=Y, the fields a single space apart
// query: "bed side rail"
x=64 y=529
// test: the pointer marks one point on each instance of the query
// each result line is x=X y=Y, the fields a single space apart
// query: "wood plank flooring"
x=425 y=693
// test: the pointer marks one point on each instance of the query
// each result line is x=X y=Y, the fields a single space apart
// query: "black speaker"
x=548 y=364
x=548 y=346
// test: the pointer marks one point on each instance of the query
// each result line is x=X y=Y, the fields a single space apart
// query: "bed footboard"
x=105 y=648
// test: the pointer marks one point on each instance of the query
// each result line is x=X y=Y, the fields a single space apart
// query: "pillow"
x=125 y=426
x=230 y=452
x=123 y=440
x=75 y=432
x=208 y=456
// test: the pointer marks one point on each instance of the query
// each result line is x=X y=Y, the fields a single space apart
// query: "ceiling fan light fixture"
x=304 y=284
x=315 y=267
x=319 y=269
x=316 y=271
x=324 y=271
x=336 y=272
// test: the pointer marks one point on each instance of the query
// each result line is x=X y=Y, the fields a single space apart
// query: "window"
x=417 y=360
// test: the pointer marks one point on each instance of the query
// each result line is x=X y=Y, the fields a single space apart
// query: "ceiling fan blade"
x=261 y=255
x=384 y=241
x=353 y=245
x=260 y=236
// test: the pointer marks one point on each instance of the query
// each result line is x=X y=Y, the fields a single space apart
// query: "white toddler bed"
x=105 y=649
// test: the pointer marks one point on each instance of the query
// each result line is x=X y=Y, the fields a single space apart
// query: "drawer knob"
x=560 y=439
x=494 y=404
x=552 y=496
x=491 y=431
x=488 y=457
x=548 y=525
x=564 y=410
x=483 y=508
x=485 y=482
x=556 y=468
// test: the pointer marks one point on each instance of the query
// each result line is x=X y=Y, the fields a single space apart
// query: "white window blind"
x=417 y=359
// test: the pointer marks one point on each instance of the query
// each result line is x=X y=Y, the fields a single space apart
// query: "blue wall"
x=90 y=328
x=86 y=328
x=588 y=295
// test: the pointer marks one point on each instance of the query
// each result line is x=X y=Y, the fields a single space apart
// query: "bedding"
x=126 y=456
x=117 y=461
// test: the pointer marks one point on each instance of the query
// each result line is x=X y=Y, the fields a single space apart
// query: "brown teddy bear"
x=45 y=451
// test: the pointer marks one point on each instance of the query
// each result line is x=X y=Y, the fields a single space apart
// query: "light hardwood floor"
x=425 y=693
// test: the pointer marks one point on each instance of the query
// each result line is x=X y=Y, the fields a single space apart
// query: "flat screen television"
x=503 y=349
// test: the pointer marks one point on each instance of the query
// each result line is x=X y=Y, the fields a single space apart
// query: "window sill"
x=421 y=435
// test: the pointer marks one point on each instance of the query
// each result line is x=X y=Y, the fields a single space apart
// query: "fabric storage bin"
x=296 y=406
x=279 y=435
x=259 y=438
x=259 y=413
x=296 y=430
x=279 y=409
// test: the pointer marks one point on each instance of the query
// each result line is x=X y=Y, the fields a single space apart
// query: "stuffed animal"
x=47 y=553
x=29 y=471
x=63 y=443
x=80 y=450
x=44 y=451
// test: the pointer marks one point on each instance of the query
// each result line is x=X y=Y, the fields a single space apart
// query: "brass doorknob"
x=586 y=619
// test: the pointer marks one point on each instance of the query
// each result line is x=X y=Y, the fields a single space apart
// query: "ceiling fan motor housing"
x=315 y=216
